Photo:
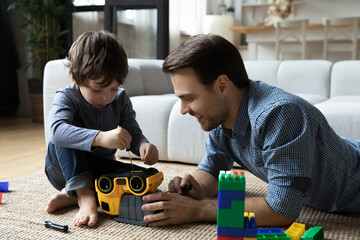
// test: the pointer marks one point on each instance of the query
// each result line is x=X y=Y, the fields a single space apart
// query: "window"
x=192 y=13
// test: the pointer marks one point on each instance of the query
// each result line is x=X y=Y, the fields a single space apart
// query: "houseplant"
x=44 y=29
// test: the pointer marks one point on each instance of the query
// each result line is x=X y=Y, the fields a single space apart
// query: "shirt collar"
x=242 y=119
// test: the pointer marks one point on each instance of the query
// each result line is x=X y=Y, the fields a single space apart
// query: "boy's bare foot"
x=88 y=213
x=60 y=200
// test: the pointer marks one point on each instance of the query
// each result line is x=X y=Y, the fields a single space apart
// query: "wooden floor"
x=22 y=147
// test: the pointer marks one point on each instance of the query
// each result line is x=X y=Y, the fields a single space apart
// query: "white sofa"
x=332 y=87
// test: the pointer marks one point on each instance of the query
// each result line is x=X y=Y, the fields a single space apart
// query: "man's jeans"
x=74 y=169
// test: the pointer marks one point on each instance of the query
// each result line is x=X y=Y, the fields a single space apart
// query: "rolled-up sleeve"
x=287 y=150
x=215 y=159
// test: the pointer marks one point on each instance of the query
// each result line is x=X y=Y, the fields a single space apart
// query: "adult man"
x=277 y=136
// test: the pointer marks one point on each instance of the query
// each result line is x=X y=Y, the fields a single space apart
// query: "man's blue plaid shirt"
x=287 y=142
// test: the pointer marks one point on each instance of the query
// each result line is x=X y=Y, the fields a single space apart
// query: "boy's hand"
x=149 y=153
x=113 y=139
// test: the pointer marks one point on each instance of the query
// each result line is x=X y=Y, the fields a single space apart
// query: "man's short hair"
x=97 y=54
x=209 y=56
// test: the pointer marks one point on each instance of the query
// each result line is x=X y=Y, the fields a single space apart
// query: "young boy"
x=84 y=125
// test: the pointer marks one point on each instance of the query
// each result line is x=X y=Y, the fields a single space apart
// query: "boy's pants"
x=74 y=169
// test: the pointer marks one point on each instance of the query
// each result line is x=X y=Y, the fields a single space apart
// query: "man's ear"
x=223 y=83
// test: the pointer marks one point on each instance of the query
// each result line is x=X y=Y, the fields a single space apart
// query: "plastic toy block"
x=295 y=231
x=230 y=232
x=229 y=238
x=314 y=233
x=4 y=186
x=231 y=194
x=273 y=236
x=270 y=230
x=249 y=238
x=0 y=196
x=230 y=218
x=231 y=203
x=224 y=203
x=228 y=181
x=250 y=228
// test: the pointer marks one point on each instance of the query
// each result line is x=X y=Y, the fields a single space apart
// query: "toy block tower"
x=231 y=206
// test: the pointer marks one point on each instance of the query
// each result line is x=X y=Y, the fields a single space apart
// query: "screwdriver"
x=186 y=188
x=128 y=150
x=56 y=226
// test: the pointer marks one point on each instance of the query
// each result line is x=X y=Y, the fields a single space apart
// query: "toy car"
x=111 y=187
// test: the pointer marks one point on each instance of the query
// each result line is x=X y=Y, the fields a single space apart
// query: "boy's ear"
x=72 y=78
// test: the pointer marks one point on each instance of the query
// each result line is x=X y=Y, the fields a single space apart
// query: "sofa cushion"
x=345 y=78
x=305 y=76
x=311 y=98
x=152 y=115
x=56 y=76
x=186 y=139
x=343 y=115
x=267 y=73
x=149 y=71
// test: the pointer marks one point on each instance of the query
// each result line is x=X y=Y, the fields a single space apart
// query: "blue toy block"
x=270 y=230
x=231 y=194
x=230 y=232
x=250 y=228
x=224 y=203
x=4 y=186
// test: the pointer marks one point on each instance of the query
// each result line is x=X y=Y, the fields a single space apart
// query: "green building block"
x=228 y=181
x=314 y=233
x=230 y=217
x=273 y=236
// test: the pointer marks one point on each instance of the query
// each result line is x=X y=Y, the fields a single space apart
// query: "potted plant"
x=43 y=28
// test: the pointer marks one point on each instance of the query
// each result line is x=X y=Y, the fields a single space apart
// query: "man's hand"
x=177 y=209
x=113 y=139
x=195 y=192
x=149 y=153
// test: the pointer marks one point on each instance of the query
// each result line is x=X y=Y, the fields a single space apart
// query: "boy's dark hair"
x=209 y=56
x=97 y=54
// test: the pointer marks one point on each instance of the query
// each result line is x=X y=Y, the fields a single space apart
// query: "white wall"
x=315 y=10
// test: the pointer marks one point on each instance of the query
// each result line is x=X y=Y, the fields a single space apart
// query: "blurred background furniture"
x=219 y=25
x=290 y=37
x=340 y=35
x=334 y=88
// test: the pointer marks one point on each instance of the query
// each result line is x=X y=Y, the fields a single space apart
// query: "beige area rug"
x=22 y=215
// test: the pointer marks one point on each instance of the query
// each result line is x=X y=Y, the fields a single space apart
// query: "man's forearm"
x=264 y=215
x=207 y=182
x=207 y=210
